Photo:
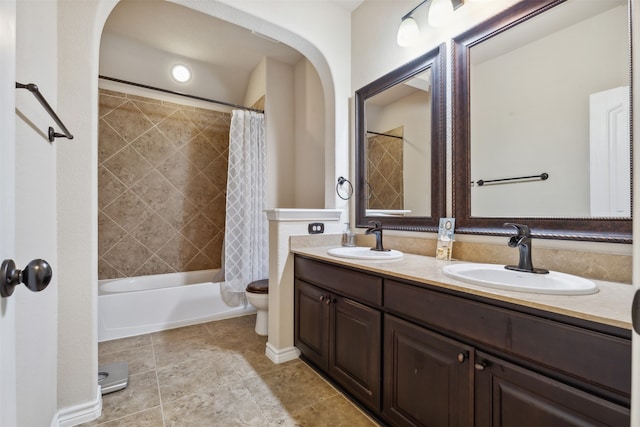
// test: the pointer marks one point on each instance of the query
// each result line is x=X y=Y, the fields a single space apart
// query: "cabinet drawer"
x=589 y=356
x=360 y=286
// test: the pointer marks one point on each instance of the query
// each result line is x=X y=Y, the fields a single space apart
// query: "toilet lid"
x=259 y=286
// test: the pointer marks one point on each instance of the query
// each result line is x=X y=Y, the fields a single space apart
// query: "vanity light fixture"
x=439 y=13
x=180 y=73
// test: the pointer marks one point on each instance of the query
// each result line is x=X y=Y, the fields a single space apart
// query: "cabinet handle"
x=327 y=300
x=480 y=366
x=321 y=297
x=462 y=357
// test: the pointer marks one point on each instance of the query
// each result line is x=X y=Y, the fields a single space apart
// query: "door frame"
x=635 y=96
x=8 y=378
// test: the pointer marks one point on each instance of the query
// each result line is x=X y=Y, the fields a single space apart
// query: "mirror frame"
x=613 y=230
x=434 y=59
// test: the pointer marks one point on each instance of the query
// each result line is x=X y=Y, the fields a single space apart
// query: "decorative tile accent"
x=162 y=177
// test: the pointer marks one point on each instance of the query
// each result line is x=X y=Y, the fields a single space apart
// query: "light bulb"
x=180 y=73
x=408 y=32
x=440 y=12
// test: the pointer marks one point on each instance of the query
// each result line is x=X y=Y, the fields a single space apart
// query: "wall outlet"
x=316 y=228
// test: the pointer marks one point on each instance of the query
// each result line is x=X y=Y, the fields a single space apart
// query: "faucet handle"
x=523 y=230
x=375 y=224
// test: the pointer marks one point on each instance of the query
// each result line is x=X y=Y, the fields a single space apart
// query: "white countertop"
x=611 y=305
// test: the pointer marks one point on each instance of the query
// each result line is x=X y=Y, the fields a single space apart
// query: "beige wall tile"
x=161 y=186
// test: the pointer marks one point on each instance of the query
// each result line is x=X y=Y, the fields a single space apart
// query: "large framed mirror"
x=400 y=146
x=541 y=116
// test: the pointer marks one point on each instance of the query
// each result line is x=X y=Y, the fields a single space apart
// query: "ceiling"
x=187 y=33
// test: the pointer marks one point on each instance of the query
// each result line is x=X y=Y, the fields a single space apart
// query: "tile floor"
x=216 y=374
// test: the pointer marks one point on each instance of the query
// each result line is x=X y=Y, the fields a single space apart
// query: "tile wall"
x=385 y=170
x=162 y=172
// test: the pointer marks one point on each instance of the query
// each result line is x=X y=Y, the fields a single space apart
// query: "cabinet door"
x=311 y=326
x=427 y=377
x=508 y=395
x=355 y=349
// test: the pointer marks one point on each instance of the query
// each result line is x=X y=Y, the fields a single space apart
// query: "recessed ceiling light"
x=180 y=73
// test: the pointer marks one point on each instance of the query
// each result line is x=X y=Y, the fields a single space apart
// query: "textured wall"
x=162 y=174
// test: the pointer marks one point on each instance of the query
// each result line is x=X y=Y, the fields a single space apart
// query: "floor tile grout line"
x=124 y=416
x=155 y=364
x=338 y=393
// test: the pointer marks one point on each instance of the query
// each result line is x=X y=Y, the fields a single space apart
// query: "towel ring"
x=341 y=181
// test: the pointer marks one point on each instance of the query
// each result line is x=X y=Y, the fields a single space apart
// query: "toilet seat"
x=259 y=287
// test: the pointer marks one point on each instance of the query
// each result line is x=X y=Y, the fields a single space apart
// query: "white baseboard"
x=281 y=355
x=82 y=413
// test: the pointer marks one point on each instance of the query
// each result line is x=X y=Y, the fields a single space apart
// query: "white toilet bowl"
x=258 y=295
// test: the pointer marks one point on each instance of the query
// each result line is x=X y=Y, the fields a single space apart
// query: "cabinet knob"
x=326 y=299
x=480 y=366
x=462 y=357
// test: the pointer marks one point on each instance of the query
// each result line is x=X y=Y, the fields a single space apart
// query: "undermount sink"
x=496 y=276
x=361 y=252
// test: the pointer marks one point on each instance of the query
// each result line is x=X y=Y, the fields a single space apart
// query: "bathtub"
x=140 y=305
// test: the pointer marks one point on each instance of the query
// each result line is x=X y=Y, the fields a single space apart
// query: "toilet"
x=258 y=295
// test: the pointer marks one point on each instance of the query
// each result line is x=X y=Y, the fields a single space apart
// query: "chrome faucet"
x=376 y=230
x=522 y=241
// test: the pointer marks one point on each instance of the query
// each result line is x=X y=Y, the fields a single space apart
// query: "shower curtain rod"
x=384 y=134
x=228 y=104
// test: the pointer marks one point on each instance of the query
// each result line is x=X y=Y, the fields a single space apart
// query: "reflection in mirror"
x=399 y=146
x=547 y=132
x=555 y=121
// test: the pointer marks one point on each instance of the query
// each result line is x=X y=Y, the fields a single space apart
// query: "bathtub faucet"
x=522 y=241
x=376 y=230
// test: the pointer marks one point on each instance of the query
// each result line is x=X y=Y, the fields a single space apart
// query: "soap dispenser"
x=348 y=236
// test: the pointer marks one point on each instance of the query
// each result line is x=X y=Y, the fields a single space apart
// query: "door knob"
x=36 y=276
x=635 y=312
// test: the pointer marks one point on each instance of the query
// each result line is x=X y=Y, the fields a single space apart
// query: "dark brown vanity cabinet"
x=508 y=395
x=338 y=334
x=416 y=355
x=428 y=378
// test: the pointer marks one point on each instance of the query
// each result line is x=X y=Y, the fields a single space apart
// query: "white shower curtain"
x=246 y=251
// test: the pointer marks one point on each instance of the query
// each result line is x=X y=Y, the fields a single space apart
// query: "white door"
x=7 y=212
x=635 y=97
x=610 y=165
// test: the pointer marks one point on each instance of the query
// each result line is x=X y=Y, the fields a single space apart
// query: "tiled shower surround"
x=385 y=170
x=162 y=177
